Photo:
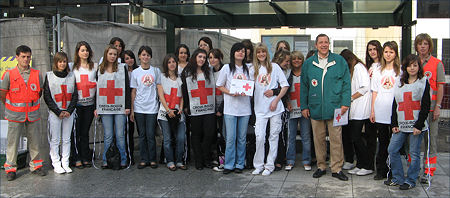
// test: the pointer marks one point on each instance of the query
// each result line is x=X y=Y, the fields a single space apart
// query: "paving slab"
x=440 y=186
x=333 y=187
x=366 y=186
x=299 y=189
x=262 y=189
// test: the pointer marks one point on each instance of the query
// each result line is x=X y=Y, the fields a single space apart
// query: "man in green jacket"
x=325 y=86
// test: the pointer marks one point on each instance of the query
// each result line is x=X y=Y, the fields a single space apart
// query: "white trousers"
x=60 y=129
x=260 y=133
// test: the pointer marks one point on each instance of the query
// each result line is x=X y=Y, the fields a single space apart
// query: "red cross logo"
x=314 y=82
x=63 y=96
x=247 y=87
x=296 y=94
x=408 y=106
x=84 y=85
x=218 y=92
x=202 y=92
x=338 y=117
x=172 y=99
x=110 y=92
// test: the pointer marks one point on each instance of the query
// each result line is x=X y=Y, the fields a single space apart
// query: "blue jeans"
x=305 y=133
x=168 y=147
x=146 y=126
x=114 y=124
x=397 y=141
x=236 y=133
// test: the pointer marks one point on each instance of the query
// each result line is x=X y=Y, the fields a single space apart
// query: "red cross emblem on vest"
x=63 y=96
x=202 y=92
x=408 y=106
x=84 y=85
x=172 y=100
x=247 y=87
x=110 y=92
x=296 y=94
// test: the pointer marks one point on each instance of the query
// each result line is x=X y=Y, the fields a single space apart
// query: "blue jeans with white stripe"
x=305 y=134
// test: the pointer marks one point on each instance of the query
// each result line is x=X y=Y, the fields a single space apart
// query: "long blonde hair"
x=104 y=64
x=257 y=64
x=394 y=46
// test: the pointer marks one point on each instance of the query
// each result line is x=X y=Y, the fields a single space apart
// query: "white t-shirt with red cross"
x=383 y=83
x=234 y=105
x=264 y=82
x=145 y=81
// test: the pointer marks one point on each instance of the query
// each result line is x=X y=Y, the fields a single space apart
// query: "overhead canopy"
x=277 y=13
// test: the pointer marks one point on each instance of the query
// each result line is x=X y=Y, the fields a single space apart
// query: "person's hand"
x=372 y=117
x=171 y=113
x=268 y=93
x=305 y=113
x=243 y=94
x=61 y=115
x=127 y=111
x=436 y=113
x=395 y=130
x=180 y=112
x=273 y=105
x=132 y=116
x=289 y=106
x=219 y=114
x=95 y=113
x=343 y=109
x=416 y=131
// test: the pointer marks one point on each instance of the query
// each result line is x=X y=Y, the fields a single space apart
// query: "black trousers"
x=359 y=144
x=370 y=137
x=349 y=151
x=130 y=141
x=80 y=143
x=384 y=136
x=203 y=130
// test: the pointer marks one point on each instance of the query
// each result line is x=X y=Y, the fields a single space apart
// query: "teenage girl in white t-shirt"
x=237 y=109
x=144 y=108
x=374 y=54
x=383 y=81
x=358 y=115
x=267 y=76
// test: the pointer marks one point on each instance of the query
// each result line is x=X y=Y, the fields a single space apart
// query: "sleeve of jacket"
x=74 y=100
x=51 y=104
x=127 y=90
x=424 y=108
x=185 y=92
x=304 y=86
x=394 y=118
x=346 y=88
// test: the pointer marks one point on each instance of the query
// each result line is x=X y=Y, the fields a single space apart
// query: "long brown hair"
x=410 y=59
x=257 y=63
x=77 y=60
x=351 y=59
x=104 y=64
x=394 y=46
x=377 y=44
x=60 y=56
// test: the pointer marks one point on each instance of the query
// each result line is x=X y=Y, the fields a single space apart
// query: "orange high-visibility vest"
x=430 y=71
x=22 y=100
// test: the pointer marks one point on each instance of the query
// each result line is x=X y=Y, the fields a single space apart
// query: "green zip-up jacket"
x=324 y=90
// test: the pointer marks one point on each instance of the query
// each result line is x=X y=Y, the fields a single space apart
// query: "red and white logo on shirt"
x=147 y=80
x=264 y=79
x=314 y=82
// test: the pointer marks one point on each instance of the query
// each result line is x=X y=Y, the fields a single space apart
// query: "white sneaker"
x=288 y=167
x=67 y=168
x=257 y=172
x=363 y=172
x=58 y=169
x=354 y=171
x=266 y=172
x=307 y=167
x=348 y=166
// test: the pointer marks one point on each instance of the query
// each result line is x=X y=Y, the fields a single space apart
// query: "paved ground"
x=161 y=182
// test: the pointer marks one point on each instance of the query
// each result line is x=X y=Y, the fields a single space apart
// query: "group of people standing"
x=189 y=97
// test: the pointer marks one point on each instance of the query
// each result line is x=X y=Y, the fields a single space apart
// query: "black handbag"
x=113 y=156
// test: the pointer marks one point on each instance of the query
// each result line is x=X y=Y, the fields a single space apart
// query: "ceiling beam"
x=281 y=14
x=226 y=16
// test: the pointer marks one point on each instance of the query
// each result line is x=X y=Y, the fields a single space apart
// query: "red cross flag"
x=242 y=86
x=340 y=119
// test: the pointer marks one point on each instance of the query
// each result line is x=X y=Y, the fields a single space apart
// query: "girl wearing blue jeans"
x=409 y=113
x=113 y=102
x=237 y=109
x=296 y=117
x=169 y=91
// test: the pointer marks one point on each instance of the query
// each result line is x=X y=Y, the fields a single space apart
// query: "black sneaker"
x=405 y=186
x=11 y=176
x=238 y=170
x=39 y=171
x=379 y=176
x=340 y=175
x=319 y=173
x=424 y=179
x=227 y=171
x=389 y=182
